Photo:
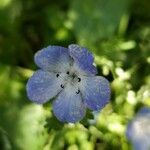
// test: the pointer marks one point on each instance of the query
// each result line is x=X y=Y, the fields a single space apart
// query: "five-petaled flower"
x=68 y=75
x=138 y=130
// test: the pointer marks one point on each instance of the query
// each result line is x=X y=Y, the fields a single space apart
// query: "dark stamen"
x=67 y=72
x=61 y=86
x=79 y=79
x=78 y=92
x=57 y=75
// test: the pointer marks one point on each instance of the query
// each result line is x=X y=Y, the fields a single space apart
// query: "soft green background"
x=118 y=34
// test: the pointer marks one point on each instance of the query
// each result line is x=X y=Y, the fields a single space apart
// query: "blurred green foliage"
x=117 y=32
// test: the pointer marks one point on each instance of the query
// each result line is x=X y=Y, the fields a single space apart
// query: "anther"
x=79 y=79
x=78 y=92
x=67 y=72
x=61 y=86
x=57 y=75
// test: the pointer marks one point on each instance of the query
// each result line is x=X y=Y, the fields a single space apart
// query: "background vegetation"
x=116 y=31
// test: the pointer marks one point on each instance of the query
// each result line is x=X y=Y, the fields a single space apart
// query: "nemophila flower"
x=138 y=130
x=68 y=75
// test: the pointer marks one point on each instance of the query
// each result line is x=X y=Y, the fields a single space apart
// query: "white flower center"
x=71 y=78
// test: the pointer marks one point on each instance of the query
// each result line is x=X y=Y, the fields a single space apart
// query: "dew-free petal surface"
x=95 y=92
x=68 y=106
x=83 y=60
x=43 y=86
x=53 y=58
x=138 y=130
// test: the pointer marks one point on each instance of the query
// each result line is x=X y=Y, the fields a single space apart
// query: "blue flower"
x=138 y=130
x=68 y=75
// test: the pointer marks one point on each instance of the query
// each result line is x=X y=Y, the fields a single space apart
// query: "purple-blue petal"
x=53 y=58
x=43 y=86
x=138 y=130
x=83 y=60
x=95 y=92
x=68 y=106
x=144 y=111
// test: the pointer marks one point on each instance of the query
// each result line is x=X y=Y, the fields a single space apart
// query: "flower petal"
x=53 y=58
x=43 y=86
x=144 y=111
x=83 y=60
x=138 y=129
x=68 y=106
x=95 y=91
